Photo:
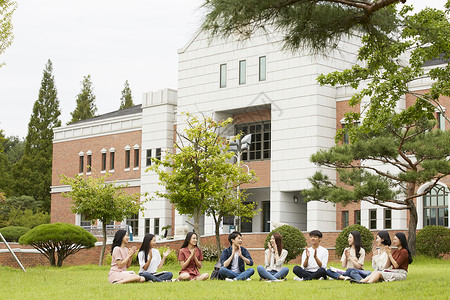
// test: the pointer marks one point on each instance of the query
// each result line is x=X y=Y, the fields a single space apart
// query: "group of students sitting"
x=388 y=265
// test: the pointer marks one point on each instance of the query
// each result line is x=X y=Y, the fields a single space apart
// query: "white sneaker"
x=229 y=279
x=333 y=269
x=248 y=279
x=298 y=279
x=346 y=278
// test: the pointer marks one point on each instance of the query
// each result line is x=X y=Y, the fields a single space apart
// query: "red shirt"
x=191 y=267
x=401 y=257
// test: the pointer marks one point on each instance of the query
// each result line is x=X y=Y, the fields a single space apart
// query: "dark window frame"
x=261 y=146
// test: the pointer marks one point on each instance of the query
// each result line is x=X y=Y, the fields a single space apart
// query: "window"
x=134 y=223
x=136 y=158
x=104 y=161
x=260 y=146
x=387 y=218
x=84 y=221
x=127 y=157
x=440 y=121
x=357 y=217
x=372 y=219
x=345 y=139
x=435 y=207
x=158 y=153
x=242 y=71
x=111 y=161
x=262 y=68
x=81 y=163
x=223 y=75
x=148 y=158
x=147 y=226
x=156 y=226
x=89 y=162
x=345 y=218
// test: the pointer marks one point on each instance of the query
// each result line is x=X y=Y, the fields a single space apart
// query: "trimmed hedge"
x=13 y=233
x=293 y=240
x=342 y=239
x=433 y=241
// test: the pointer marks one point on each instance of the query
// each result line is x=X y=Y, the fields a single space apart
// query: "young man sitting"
x=233 y=260
x=314 y=260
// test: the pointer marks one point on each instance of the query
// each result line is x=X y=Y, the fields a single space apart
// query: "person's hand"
x=132 y=251
x=239 y=251
x=315 y=253
x=347 y=253
x=270 y=246
x=166 y=253
x=387 y=250
x=192 y=252
x=275 y=247
x=307 y=253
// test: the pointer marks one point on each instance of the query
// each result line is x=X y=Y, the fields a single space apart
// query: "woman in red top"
x=190 y=258
x=397 y=264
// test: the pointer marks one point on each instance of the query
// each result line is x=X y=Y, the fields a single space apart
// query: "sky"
x=111 y=40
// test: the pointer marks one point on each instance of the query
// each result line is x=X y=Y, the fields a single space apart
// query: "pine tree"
x=127 y=99
x=33 y=173
x=86 y=107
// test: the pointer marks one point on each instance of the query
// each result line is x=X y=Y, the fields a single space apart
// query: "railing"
x=97 y=230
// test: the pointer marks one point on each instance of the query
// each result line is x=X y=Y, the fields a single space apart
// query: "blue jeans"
x=159 y=278
x=358 y=274
x=272 y=275
x=226 y=273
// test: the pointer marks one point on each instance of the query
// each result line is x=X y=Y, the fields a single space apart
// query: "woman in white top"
x=352 y=258
x=275 y=256
x=379 y=257
x=150 y=260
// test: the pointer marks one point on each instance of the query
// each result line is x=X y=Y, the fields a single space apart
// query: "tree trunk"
x=219 y=248
x=197 y=216
x=102 y=253
x=51 y=258
x=412 y=226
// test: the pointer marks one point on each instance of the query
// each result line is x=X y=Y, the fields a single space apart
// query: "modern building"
x=270 y=93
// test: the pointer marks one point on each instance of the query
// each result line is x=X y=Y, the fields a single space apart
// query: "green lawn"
x=427 y=279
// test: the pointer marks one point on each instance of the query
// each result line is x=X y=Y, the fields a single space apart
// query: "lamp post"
x=238 y=147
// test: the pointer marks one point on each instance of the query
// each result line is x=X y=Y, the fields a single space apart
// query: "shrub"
x=293 y=240
x=210 y=252
x=342 y=239
x=433 y=241
x=61 y=238
x=13 y=233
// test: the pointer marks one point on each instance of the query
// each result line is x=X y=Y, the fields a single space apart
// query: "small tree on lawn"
x=97 y=199
x=413 y=152
x=199 y=177
x=62 y=239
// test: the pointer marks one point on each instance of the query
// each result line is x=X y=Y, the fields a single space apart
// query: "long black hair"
x=188 y=239
x=356 y=242
x=145 y=246
x=402 y=237
x=279 y=241
x=386 y=239
x=118 y=239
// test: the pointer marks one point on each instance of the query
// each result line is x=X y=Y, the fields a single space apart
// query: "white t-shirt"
x=322 y=255
x=154 y=263
x=235 y=264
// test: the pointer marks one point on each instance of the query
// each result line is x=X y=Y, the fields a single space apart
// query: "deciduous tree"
x=7 y=8
x=98 y=199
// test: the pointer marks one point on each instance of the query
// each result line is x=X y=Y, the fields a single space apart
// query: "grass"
x=426 y=280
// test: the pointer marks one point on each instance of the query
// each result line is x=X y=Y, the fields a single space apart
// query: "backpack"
x=215 y=273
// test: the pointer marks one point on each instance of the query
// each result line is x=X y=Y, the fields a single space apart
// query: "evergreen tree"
x=33 y=173
x=86 y=107
x=127 y=99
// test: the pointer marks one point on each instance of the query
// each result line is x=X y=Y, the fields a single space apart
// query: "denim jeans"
x=272 y=275
x=226 y=273
x=306 y=275
x=336 y=275
x=358 y=274
x=159 y=278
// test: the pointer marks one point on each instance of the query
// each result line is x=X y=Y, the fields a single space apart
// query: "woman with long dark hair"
x=190 y=258
x=275 y=256
x=150 y=261
x=379 y=257
x=352 y=258
x=121 y=260
x=397 y=265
